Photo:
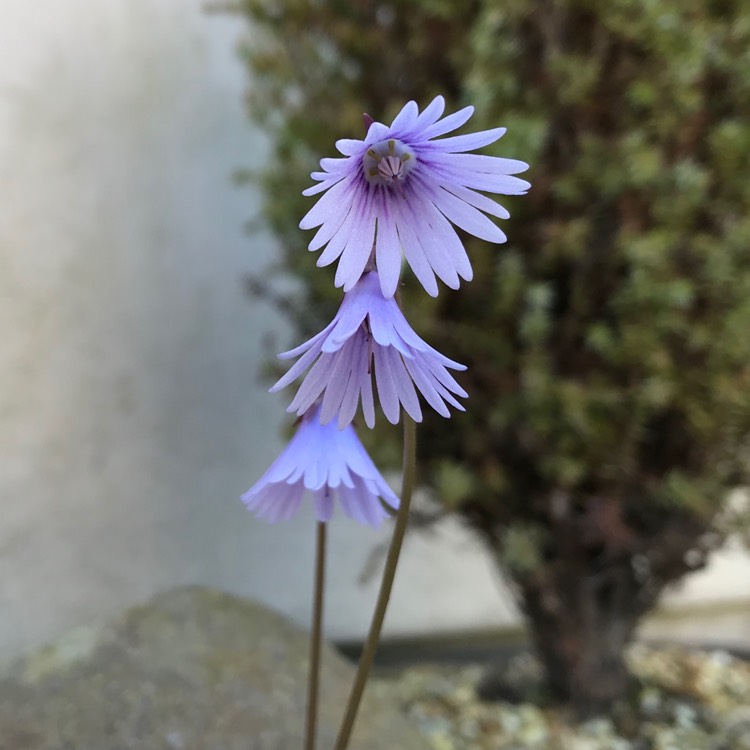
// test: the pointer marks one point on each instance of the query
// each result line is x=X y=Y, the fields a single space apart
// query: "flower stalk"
x=316 y=630
x=386 y=585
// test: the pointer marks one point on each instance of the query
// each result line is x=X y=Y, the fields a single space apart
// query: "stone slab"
x=194 y=669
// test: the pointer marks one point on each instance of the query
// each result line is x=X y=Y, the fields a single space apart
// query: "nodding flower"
x=370 y=335
x=330 y=464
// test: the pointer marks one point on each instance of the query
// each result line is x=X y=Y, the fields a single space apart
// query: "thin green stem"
x=389 y=573
x=316 y=629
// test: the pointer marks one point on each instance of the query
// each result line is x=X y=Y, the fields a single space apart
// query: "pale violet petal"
x=349 y=318
x=337 y=243
x=328 y=229
x=423 y=381
x=403 y=384
x=406 y=118
x=434 y=250
x=350 y=147
x=351 y=396
x=329 y=206
x=443 y=377
x=296 y=369
x=489 y=183
x=387 y=393
x=480 y=163
x=368 y=506
x=459 y=143
x=358 y=248
x=307 y=344
x=387 y=250
x=448 y=242
x=413 y=251
x=448 y=396
x=384 y=319
x=376 y=132
x=335 y=164
x=338 y=380
x=482 y=202
x=451 y=122
x=313 y=385
x=322 y=186
x=351 y=505
x=430 y=114
x=467 y=217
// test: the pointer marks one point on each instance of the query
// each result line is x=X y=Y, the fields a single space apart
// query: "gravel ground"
x=685 y=700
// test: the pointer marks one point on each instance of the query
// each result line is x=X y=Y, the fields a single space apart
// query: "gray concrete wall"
x=131 y=417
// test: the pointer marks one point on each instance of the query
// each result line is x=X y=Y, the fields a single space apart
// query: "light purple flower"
x=370 y=333
x=328 y=462
x=400 y=190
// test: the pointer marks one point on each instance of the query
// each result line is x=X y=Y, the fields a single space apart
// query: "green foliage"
x=607 y=342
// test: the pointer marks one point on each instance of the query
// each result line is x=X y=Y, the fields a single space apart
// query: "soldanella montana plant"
x=398 y=194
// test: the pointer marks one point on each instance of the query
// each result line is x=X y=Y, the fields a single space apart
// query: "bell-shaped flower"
x=330 y=464
x=370 y=334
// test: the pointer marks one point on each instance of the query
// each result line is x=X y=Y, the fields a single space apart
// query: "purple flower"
x=327 y=462
x=400 y=190
x=370 y=332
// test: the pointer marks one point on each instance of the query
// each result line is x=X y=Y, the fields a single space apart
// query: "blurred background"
x=133 y=410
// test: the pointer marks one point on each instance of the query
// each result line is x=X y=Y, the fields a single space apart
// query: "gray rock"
x=194 y=669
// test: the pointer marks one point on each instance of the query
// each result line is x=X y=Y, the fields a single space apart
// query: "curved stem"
x=315 y=637
x=389 y=573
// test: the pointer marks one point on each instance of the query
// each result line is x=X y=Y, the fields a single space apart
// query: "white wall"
x=131 y=417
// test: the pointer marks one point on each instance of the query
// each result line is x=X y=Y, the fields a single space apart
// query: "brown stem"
x=315 y=637
x=389 y=573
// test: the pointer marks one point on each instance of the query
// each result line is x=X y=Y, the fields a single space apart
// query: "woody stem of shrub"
x=389 y=573
x=315 y=636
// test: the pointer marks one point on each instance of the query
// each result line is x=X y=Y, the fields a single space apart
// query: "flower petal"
x=469 y=142
x=406 y=118
x=350 y=147
x=330 y=206
x=387 y=251
x=482 y=202
x=467 y=217
x=313 y=385
x=413 y=251
x=451 y=122
x=386 y=383
x=358 y=248
x=431 y=113
x=328 y=462
x=403 y=383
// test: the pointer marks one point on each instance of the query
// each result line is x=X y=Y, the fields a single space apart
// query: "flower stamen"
x=388 y=163
x=391 y=168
